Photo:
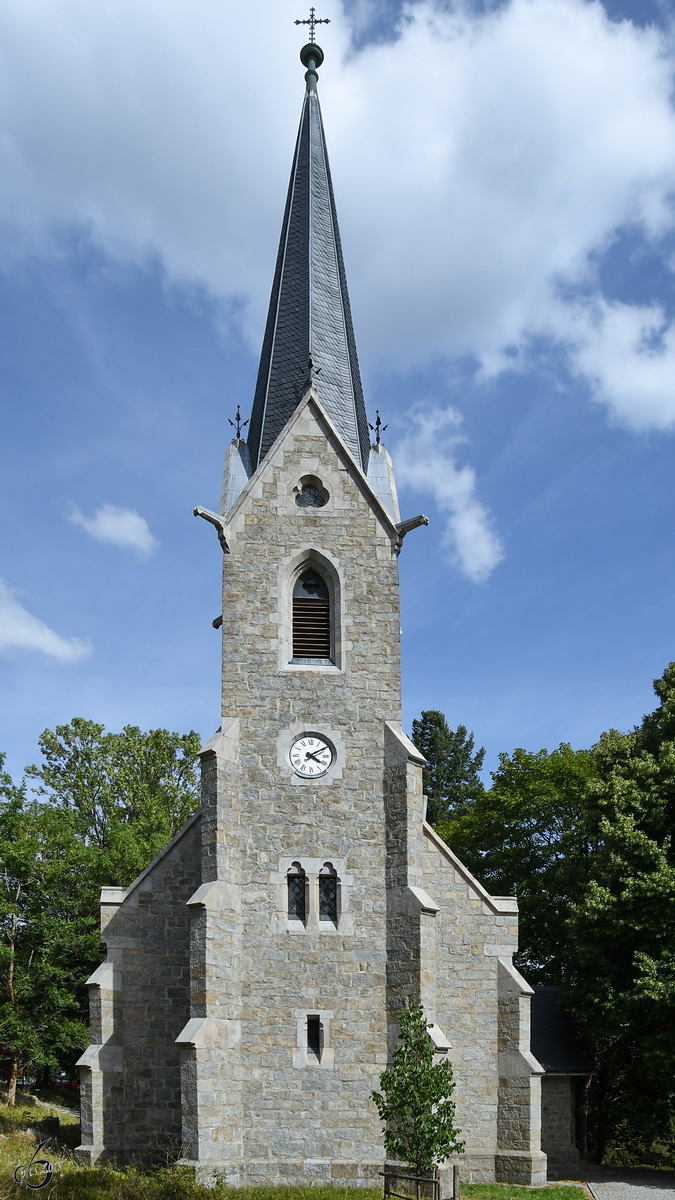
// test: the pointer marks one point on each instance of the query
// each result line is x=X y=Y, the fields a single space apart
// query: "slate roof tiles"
x=309 y=314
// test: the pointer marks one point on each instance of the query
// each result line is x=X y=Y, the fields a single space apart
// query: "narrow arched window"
x=311 y=618
x=328 y=894
x=297 y=893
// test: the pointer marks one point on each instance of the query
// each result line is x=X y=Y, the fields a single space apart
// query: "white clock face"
x=310 y=756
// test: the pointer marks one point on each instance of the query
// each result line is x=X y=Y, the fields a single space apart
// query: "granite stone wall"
x=481 y=1005
x=139 y=999
x=558 y=1125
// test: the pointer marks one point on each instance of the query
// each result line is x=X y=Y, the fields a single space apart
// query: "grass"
x=102 y=1183
x=511 y=1191
x=17 y=1144
x=20 y=1136
x=105 y=1183
x=63 y=1097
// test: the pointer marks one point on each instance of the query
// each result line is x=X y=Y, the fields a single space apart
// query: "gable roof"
x=120 y=895
x=496 y=904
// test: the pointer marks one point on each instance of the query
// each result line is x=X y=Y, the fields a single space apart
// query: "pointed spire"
x=309 y=336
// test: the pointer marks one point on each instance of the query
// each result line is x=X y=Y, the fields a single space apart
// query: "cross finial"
x=312 y=21
x=238 y=424
x=378 y=428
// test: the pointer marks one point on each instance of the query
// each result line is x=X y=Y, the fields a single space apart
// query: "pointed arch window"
x=328 y=894
x=311 y=618
x=297 y=893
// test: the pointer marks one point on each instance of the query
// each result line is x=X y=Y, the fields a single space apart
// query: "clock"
x=311 y=755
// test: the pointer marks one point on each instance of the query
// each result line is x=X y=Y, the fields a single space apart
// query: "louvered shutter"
x=311 y=628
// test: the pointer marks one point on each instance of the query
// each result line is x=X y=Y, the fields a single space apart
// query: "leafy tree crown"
x=107 y=803
x=452 y=774
x=415 y=1103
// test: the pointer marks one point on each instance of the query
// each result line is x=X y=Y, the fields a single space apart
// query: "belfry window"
x=297 y=893
x=311 y=619
x=328 y=894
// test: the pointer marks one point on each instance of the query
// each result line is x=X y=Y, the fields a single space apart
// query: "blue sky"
x=504 y=178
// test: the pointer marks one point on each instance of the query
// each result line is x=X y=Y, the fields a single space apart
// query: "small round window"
x=310 y=493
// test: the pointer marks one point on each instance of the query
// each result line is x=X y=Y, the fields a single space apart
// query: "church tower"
x=255 y=969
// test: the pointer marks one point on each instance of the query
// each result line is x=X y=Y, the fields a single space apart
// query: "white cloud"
x=426 y=461
x=20 y=630
x=518 y=143
x=120 y=526
x=627 y=354
x=479 y=160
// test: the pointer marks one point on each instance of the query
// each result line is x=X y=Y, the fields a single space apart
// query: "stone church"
x=255 y=969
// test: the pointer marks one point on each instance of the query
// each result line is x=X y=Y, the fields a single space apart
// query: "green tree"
x=621 y=979
x=45 y=949
x=527 y=836
x=416 y=1103
x=128 y=793
x=584 y=839
x=452 y=774
x=107 y=805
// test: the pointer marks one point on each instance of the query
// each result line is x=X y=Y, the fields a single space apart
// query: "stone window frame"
x=312 y=926
x=290 y=570
x=303 y=1058
x=310 y=479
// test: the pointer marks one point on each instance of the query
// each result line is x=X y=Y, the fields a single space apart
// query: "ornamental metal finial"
x=310 y=372
x=238 y=424
x=312 y=21
x=378 y=428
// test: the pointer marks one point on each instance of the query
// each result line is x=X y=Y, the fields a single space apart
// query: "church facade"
x=255 y=969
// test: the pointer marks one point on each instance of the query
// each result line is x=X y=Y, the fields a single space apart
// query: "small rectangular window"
x=297 y=908
x=315 y=1036
x=313 y=1046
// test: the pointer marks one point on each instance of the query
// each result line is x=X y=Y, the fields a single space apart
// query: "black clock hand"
x=308 y=754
